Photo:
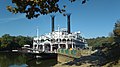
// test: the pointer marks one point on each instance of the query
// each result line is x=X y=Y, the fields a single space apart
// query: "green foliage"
x=35 y=8
x=110 y=46
x=24 y=40
x=6 y=40
x=14 y=42
x=117 y=32
x=99 y=41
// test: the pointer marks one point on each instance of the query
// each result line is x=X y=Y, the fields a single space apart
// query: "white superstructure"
x=60 y=38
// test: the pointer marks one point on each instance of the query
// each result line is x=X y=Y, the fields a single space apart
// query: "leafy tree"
x=21 y=40
x=6 y=40
x=35 y=8
x=14 y=42
x=110 y=46
x=112 y=52
x=117 y=32
x=29 y=40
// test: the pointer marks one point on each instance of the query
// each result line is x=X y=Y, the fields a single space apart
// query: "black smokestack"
x=68 y=23
x=52 y=17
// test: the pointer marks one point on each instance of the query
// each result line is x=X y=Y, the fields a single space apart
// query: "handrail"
x=68 y=52
x=73 y=52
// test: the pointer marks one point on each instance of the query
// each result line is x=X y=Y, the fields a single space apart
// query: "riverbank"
x=110 y=64
x=87 y=65
x=63 y=65
x=84 y=61
x=98 y=59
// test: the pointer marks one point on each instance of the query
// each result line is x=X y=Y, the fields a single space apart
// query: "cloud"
x=13 y=18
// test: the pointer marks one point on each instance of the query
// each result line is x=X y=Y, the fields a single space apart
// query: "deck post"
x=72 y=44
x=37 y=47
x=66 y=46
x=58 y=46
x=51 y=47
x=43 y=48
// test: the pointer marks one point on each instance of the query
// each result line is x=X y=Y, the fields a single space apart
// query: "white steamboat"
x=60 y=39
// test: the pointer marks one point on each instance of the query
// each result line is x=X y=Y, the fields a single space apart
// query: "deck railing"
x=73 y=52
x=68 y=52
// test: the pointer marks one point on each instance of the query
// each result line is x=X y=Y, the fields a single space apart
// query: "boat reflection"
x=9 y=59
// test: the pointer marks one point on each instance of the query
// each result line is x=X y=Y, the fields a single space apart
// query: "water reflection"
x=8 y=59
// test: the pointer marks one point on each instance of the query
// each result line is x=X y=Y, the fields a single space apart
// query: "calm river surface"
x=9 y=59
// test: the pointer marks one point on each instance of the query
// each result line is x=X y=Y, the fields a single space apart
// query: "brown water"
x=9 y=59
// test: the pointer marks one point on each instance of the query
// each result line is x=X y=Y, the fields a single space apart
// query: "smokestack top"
x=68 y=14
x=52 y=16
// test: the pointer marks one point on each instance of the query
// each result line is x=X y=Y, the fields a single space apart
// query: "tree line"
x=113 y=38
x=8 y=42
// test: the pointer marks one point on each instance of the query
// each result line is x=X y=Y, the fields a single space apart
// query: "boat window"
x=52 y=40
x=64 y=40
x=39 y=41
x=58 y=40
x=42 y=40
x=68 y=39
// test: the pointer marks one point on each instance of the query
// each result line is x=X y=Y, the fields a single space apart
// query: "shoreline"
x=65 y=65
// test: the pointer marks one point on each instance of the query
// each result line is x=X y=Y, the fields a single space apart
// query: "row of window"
x=53 y=40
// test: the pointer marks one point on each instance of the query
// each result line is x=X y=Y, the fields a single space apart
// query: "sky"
x=96 y=18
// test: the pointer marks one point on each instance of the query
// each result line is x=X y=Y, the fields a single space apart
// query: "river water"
x=9 y=59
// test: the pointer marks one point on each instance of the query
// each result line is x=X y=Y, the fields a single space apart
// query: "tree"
x=112 y=52
x=29 y=40
x=21 y=40
x=8 y=42
x=35 y=8
x=117 y=32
